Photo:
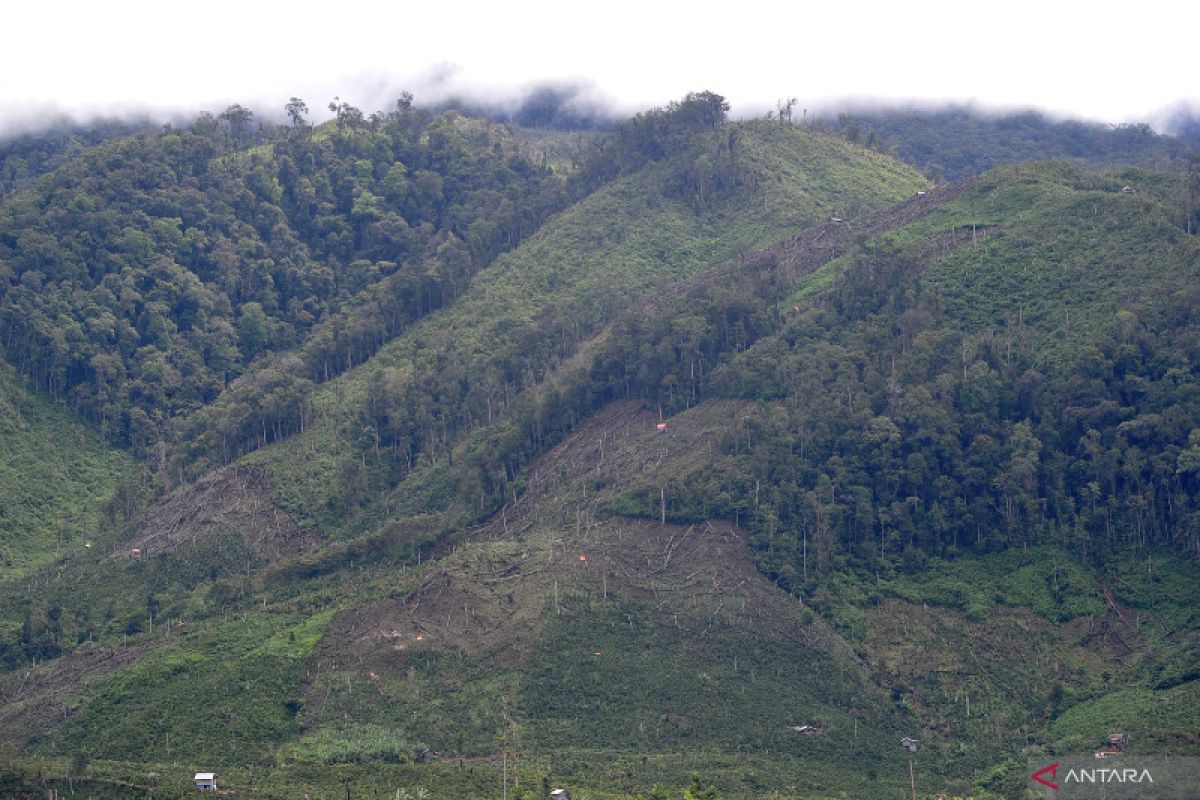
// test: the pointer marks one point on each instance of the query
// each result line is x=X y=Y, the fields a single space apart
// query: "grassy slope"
x=588 y=264
x=1049 y=247
x=216 y=696
x=1155 y=696
x=56 y=476
x=1060 y=251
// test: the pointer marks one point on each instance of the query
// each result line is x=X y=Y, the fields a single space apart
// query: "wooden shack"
x=1113 y=745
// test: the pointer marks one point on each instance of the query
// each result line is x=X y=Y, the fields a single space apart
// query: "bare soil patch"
x=36 y=700
x=234 y=500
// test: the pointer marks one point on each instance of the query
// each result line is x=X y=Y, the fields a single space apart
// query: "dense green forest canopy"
x=24 y=156
x=144 y=276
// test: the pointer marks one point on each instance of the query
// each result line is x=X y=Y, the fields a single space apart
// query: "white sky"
x=1079 y=58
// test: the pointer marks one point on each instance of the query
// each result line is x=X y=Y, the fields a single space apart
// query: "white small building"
x=206 y=781
x=560 y=794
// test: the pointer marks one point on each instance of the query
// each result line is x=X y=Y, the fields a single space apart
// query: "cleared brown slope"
x=232 y=501
x=556 y=581
x=492 y=593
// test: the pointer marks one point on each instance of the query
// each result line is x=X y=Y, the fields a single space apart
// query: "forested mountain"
x=144 y=276
x=976 y=380
x=459 y=372
x=953 y=143
x=688 y=451
x=27 y=155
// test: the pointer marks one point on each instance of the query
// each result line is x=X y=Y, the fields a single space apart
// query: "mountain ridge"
x=872 y=510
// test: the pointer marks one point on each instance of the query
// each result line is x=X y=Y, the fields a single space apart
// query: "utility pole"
x=910 y=745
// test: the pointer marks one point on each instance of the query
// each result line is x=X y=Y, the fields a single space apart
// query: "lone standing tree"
x=296 y=109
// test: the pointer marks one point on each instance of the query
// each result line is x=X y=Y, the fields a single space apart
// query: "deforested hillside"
x=459 y=370
x=1030 y=338
x=758 y=454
